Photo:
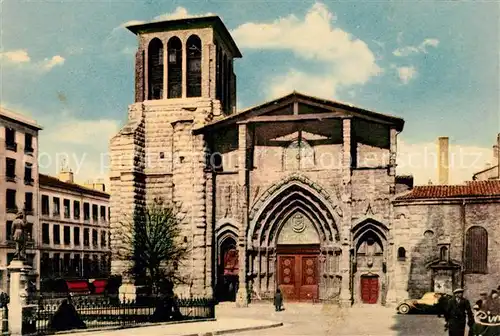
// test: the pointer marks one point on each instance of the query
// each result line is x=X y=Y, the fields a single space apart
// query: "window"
x=476 y=250
x=56 y=263
x=103 y=239
x=86 y=237
x=193 y=75
x=45 y=265
x=66 y=204
x=77 y=264
x=94 y=237
x=401 y=253
x=10 y=169
x=443 y=254
x=95 y=214
x=76 y=236
x=28 y=143
x=86 y=265
x=45 y=233
x=66 y=263
x=155 y=71
x=28 y=202
x=56 y=210
x=29 y=232
x=11 y=201
x=10 y=139
x=45 y=205
x=67 y=235
x=174 y=47
x=28 y=175
x=76 y=210
x=86 y=211
x=103 y=213
x=8 y=230
x=56 y=234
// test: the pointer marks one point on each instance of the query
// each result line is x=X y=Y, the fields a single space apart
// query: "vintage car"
x=430 y=302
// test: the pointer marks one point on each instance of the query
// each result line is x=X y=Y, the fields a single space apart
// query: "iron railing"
x=86 y=312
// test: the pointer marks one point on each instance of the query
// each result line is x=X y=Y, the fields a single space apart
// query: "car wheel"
x=404 y=309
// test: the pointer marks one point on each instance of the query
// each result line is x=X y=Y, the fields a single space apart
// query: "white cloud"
x=180 y=13
x=15 y=56
x=346 y=60
x=22 y=59
x=406 y=73
x=48 y=64
x=421 y=48
x=420 y=160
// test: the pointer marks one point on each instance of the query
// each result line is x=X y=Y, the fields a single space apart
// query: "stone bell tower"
x=184 y=79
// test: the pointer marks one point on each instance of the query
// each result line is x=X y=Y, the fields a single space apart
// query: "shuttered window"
x=476 y=250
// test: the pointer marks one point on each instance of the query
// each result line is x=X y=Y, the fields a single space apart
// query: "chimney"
x=443 y=163
x=66 y=176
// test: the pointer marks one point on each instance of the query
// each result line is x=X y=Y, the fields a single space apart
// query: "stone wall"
x=420 y=226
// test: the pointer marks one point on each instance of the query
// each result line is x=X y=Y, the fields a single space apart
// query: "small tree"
x=156 y=248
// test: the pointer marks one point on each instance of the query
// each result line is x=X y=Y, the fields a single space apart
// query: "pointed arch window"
x=174 y=47
x=155 y=69
x=193 y=75
x=476 y=250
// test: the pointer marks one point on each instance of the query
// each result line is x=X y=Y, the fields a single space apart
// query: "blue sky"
x=69 y=65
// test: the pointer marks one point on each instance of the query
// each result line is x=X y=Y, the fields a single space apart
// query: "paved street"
x=306 y=319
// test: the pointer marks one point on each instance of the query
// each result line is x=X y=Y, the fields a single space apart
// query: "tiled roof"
x=469 y=190
x=50 y=181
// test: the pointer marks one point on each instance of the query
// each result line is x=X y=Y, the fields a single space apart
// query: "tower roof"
x=189 y=23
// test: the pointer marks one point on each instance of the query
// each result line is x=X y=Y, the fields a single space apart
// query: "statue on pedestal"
x=19 y=228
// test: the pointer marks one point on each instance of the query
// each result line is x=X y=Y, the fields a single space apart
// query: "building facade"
x=18 y=186
x=74 y=229
x=448 y=237
x=294 y=193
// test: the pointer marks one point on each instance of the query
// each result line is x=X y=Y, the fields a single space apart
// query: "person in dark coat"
x=458 y=313
x=278 y=300
x=66 y=318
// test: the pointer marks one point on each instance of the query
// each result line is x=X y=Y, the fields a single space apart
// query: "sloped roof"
x=50 y=181
x=304 y=99
x=469 y=190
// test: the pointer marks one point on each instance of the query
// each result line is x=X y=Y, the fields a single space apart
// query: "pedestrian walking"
x=458 y=314
x=278 y=300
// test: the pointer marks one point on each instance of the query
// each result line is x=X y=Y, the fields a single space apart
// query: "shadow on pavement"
x=418 y=324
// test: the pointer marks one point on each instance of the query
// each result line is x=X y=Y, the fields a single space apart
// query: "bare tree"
x=154 y=245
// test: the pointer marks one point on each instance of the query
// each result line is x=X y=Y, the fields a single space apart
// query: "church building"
x=295 y=193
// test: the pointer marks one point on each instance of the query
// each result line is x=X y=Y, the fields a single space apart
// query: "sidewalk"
x=218 y=327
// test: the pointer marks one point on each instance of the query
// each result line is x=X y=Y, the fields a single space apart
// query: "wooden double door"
x=298 y=276
x=369 y=289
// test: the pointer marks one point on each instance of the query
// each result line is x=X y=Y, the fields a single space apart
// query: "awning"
x=78 y=286
x=100 y=285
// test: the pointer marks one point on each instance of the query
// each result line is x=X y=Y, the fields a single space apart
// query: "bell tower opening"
x=198 y=61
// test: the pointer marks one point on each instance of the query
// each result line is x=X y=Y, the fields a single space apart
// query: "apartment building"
x=74 y=221
x=18 y=187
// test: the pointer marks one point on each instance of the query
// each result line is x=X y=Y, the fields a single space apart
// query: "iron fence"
x=58 y=314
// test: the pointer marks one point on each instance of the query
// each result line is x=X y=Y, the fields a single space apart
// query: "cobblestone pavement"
x=317 y=319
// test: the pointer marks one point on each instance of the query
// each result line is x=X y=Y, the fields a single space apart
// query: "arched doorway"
x=227 y=270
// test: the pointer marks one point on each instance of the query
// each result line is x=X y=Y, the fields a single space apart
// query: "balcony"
x=29 y=150
x=12 y=209
x=11 y=145
x=30 y=211
x=10 y=178
x=28 y=181
x=56 y=213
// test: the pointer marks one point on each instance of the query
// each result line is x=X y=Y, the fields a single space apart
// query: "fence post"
x=18 y=295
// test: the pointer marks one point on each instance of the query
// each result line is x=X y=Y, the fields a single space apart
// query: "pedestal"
x=18 y=293
x=242 y=297
x=127 y=292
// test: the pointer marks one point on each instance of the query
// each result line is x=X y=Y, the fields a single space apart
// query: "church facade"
x=295 y=193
